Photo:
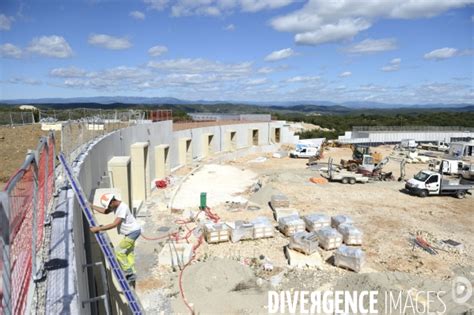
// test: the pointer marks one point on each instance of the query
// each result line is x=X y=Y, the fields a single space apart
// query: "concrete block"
x=279 y=213
x=162 y=161
x=299 y=260
x=230 y=140
x=119 y=173
x=279 y=201
x=185 y=151
x=175 y=254
x=291 y=224
x=140 y=171
x=216 y=232
x=315 y=222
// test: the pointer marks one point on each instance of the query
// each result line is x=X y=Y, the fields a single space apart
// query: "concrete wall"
x=92 y=169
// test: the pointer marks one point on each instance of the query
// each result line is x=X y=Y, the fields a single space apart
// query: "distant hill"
x=303 y=106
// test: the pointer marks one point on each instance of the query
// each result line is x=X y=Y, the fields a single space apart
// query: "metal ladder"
x=103 y=240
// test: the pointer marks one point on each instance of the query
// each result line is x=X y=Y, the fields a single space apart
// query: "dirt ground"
x=387 y=217
x=14 y=144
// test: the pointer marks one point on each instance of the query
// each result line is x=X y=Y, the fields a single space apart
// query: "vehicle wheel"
x=353 y=167
x=423 y=193
x=460 y=194
x=352 y=181
x=345 y=180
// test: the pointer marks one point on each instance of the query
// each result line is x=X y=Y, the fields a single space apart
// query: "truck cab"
x=424 y=183
x=432 y=183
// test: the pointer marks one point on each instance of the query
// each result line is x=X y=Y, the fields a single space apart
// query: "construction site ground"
x=228 y=278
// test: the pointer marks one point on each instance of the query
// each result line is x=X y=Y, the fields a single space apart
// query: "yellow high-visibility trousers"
x=125 y=253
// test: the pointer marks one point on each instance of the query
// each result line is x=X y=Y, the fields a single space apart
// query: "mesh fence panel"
x=21 y=232
x=35 y=178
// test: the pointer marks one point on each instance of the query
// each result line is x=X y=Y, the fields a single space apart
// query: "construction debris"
x=291 y=224
x=349 y=257
x=315 y=222
x=299 y=260
x=329 y=238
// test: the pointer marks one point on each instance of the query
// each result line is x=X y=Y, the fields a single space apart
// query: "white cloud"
x=345 y=74
x=6 y=22
x=28 y=81
x=109 y=42
x=71 y=72
x=280 y=54
x=10 y=51
x=137 y=15
x=230 y=27
x=442 y=53
x=266 y=70
x=156 y=51
x=321 y=21
x=199 y=65
x=393 y=65
x=220 y=7
x=158 y=5
x=258 y=81
x=50 y=46
x=368 y=46
x=344 y=28
x=303 y=79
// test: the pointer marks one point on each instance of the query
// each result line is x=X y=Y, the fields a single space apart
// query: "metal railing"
x=413 y=128
x=15 y=118
x=24 y=204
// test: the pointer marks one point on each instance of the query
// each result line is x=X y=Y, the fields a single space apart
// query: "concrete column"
x=185 y=151
x=207 y=144
x=230 y=140
x=119 y=173
x=140 y=171
x=162 y=164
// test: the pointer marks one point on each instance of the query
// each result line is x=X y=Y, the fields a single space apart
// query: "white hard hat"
x=106 y=199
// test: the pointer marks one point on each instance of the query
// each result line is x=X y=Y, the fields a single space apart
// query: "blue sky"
x=390 y=51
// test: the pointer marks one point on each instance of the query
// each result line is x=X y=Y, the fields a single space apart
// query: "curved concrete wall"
x=92 y=168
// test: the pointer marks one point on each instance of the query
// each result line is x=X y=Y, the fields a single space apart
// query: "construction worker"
x=126 y=225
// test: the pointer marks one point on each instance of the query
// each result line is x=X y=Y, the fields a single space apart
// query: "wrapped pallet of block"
x=262 y=228
x=305 y=242
x=340 y=219
x=316 y=222
x=279 y=201
x=291 y=225
x=216 y=232
x=349 y=257
x=279 y=213
x=350 y=234
x=329 y=238
x=240 y=230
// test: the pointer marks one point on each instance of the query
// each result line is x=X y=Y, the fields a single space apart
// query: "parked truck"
x=428 y=183
x=436 y=146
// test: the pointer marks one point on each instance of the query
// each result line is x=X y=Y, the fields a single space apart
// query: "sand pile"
x=221 y=286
